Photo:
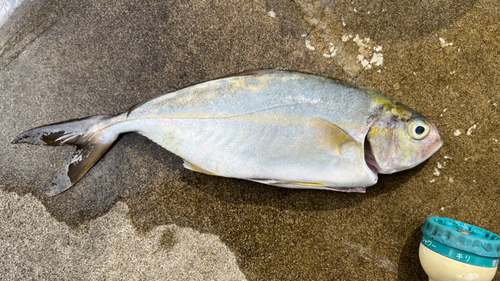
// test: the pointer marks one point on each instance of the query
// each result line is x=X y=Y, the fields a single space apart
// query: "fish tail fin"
x=84 y=133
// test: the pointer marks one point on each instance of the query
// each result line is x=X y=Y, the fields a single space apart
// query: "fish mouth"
x=433 y=149
x=438 y=144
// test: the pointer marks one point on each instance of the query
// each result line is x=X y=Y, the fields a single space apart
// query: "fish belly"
x=262 y=147
x=259 y=127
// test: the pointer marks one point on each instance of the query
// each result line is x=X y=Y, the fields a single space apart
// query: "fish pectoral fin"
x=332 y=136
x=195 y=168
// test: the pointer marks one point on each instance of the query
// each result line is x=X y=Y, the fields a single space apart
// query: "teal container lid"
x=461 y=241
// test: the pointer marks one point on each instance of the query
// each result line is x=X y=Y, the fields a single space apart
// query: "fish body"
x=275 y=127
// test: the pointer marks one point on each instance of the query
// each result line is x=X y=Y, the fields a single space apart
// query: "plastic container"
x=452 y=250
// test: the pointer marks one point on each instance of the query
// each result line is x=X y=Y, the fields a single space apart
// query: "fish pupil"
x=420 y=130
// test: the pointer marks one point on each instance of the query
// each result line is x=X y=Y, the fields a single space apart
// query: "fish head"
x=400 y=139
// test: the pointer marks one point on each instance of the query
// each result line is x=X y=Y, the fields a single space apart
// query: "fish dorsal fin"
x=246 y=72
x=256 y=71
x=332 y=136
x=136 y=106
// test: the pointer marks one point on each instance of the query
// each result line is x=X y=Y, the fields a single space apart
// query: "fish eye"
x=418 y=129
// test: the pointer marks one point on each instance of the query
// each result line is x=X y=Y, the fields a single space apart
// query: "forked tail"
x=90 y=140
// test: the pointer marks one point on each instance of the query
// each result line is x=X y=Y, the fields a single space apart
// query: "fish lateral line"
x=210 y=117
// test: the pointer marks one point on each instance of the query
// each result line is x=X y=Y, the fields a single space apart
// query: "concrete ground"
x=138 y=215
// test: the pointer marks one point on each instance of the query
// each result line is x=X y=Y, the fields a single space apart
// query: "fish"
x=271 y=126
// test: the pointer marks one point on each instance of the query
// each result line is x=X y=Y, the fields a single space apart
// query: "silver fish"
x=275 y=127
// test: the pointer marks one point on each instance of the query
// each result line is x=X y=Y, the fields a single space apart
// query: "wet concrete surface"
x=63 y=60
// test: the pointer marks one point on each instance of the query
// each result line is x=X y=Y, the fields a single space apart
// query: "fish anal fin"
x=268 y=181
x=288 y=183
x=358 y=189
x=332 y=136
x=195 y=168
x=309 y=185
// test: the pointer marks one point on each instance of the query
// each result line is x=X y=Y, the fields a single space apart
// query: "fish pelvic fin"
x=192 y=167
x=82 y=133
x=309 y=185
